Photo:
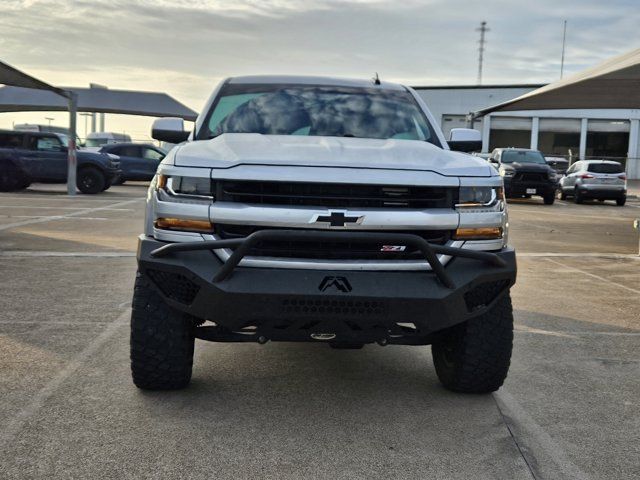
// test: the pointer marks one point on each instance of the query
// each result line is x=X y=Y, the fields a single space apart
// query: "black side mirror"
x=465 y=140
x=169 y=130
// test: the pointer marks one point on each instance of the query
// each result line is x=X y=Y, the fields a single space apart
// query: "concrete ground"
x=570 y=408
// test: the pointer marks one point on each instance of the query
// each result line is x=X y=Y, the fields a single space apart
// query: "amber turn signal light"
x=184 y=225
x=162 y=181
x=484 y=233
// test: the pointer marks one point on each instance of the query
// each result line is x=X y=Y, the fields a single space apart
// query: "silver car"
x=598 y=179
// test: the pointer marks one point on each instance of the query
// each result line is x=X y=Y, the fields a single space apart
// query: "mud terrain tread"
x=480 y=349
x=162 y=341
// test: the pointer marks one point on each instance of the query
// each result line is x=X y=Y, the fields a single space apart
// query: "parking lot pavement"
x=569 y=408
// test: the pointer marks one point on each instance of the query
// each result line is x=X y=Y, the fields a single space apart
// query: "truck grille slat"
x=336 y=195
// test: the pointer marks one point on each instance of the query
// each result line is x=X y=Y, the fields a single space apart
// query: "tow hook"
x=323 y=336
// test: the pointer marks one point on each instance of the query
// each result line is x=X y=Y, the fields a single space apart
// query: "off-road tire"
x=621 y=201
x=162 y=341
x=90 y=180
x=474 y=357
x=11 y=178
x=549 y=199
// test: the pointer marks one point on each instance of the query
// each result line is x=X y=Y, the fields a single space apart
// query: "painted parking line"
x=27 y=207
x=65 y=198
x=68 y=215
x=571 y=333
x=586 y=216
x=625 y=256
x=37 y=254
x=17 y=422
x=56 y=217
x=593 y=275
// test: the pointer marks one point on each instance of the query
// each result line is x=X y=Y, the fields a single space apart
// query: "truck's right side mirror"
x=169 y=130
x=465 y=140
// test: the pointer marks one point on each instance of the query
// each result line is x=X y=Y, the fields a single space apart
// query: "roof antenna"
x=376 y=79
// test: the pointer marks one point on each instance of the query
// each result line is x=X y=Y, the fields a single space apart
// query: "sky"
x=184 y=48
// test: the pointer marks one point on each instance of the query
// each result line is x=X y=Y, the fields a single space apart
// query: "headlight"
x=507 y=173
x=183 y=189
x=552 y=175
x=482 y=198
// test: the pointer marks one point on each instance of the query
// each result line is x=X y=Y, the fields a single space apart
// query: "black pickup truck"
x=27 y=157
x=525 y=173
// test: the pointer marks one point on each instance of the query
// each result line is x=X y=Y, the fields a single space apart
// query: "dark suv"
x=138 y=161
x=27 y=157
x=525 y=173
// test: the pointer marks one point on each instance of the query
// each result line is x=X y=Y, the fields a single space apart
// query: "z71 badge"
x=393 y=248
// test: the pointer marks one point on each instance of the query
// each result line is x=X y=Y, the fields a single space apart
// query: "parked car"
x=323 y=204
x=138 y=161
x=599 y=179
x=525 y=173
x=559 y=164
x=27 y=157
x=98 y=139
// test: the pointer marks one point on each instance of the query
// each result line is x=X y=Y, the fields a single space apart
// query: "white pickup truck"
x=323 y=210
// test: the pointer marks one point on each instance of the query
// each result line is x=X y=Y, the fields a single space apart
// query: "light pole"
x=85 y=115
x=50 y=119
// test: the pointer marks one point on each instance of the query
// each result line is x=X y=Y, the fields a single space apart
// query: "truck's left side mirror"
x=169 y=130
x=465 y=140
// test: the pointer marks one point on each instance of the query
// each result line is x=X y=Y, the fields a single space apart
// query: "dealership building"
x=592 y=114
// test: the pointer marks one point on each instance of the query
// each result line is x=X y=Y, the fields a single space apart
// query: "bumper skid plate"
x=261 y=304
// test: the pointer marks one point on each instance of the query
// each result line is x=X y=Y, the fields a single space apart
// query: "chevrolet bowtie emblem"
x=338 y=219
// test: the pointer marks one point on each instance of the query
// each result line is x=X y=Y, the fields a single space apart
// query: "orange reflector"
x=184 y=225
x=485 y=233
x=162 y=181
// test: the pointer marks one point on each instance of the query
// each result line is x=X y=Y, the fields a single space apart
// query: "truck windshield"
x=317 y=111
x=522 y=156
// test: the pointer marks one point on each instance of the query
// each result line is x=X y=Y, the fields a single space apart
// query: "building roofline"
x=479 y=87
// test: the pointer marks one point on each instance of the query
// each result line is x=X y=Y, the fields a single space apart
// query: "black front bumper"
x=259 y=304
x=516 y=187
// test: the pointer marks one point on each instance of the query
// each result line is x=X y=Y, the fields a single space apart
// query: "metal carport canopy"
x=612 y=84
x=13 y=76
x=152 y=104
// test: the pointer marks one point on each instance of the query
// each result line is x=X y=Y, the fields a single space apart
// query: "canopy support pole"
x=72 y=159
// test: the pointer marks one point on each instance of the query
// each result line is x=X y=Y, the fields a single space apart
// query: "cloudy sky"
x=184 y=47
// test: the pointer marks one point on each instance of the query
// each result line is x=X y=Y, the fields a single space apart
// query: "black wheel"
x=346 y=346
x=161 y=341
x=11 y=178
x=577 y=197
x=621 y=201
x=90 y=180
x=549 y=198
x=474 y=357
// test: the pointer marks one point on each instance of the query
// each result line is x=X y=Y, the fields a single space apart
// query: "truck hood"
x=233 y=149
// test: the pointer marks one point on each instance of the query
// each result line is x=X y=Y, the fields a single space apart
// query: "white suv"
x=323 y=210
x=599 y=179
